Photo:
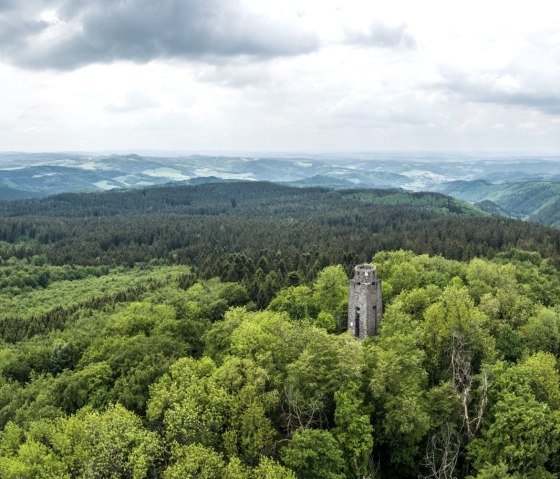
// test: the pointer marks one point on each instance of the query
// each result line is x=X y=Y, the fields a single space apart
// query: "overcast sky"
x=280 y=75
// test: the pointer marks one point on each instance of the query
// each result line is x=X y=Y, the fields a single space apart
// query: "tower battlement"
x=365 y=308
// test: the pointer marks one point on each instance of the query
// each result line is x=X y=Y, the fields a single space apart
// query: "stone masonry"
x=365 y=308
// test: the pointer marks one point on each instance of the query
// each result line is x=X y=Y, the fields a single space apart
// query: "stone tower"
x=364 y=303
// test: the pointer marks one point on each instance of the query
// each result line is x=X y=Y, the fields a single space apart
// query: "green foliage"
x=44 y=309
x=398 y=384
x=151 y=372
x=330 y=291
x=270 y=469
x=326 y=321
x=297 y=301
x=293 y=230
x=314 y=454
x=524 y=432
x=224 y=408
x=91 y=444
x=542 y=331
x=90 y=385
x=327 y=364
x=353 y=430
x=195 y=462
x=455 y=319
x=500 y=471
x=270 y=339
x=523 y=435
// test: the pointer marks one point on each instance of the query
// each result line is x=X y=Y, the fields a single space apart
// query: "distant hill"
x=7 y=193
x=491 y=208
x=291 y=228
x=549 y=214
x=31 y=176
x=527 y=188
x=528 y=200
x=322 y=180
x=216 y=197
x=471 y=191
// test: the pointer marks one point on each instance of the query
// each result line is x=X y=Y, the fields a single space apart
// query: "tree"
x=326 y=364
x=270 y=469
x=326 y=321
x=353 y=430
x=297 y=301
x=523 y=435
x=398 y=383
x=191 y=405
x=452 y=320
x=222 y=408
x=314 y=454
x=119 y=445
x=404 y=277
x=442 y=453
x=271 y=339
x=89 y=444
x=542 y=331
x=195 y=462
x=34 y=461
x=330 y=291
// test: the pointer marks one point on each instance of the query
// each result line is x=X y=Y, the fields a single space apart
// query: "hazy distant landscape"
x=524 y=187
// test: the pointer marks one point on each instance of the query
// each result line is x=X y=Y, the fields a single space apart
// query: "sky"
x=280 y=75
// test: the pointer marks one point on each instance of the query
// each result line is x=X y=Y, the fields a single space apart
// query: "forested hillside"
x=142 y=373
x=529 y=200
x=262 y=234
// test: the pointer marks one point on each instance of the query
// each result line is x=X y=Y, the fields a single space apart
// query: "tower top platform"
x=364 y=267
x=364 y=273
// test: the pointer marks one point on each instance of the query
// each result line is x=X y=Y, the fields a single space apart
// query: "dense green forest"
x=265 y=235
x=144 y=373
x=199 y=332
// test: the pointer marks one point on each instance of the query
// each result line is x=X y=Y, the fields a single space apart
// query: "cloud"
x=133 y=101
x=16 y=25
x=382 y=35
x=69 y=34
x=514 y=71
x=236 y=75
x=502 y=88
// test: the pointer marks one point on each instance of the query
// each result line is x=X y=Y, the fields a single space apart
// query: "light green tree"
x=398 y=383
x=523 y=435
x=353 y=430
x=330 y=291
x=270 y=469
x=297 y=301
x=195 y=462
x=314 y=454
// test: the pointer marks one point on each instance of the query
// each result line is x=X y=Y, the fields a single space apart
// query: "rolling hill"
x=537 y=201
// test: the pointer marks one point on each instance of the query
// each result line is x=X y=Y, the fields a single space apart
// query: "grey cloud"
x=16 y=24
x=103 y=31
x=382 y=35
x=543 y=102
x=487 y=88
x=6 y=5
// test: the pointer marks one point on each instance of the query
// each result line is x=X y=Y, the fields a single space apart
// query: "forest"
x=200 y=332
x=265 y=235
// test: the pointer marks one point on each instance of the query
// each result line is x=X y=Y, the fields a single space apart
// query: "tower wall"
x=379 y=309
x=364 y=302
